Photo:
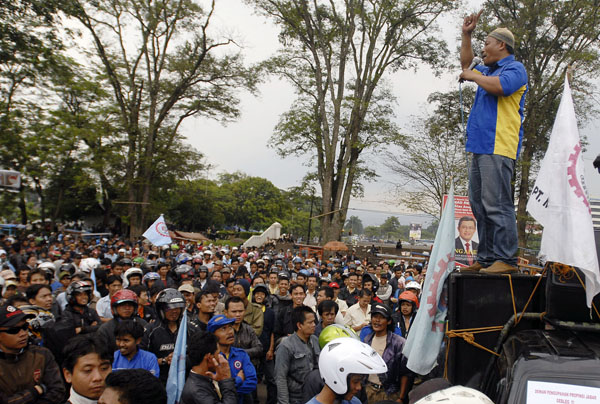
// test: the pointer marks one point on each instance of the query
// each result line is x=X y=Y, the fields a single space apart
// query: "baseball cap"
x=11 y=316
x=63 y=274
x=186 y=288
x=381 y=309
x=217 y=322
x=8 y=274
x=334 y=285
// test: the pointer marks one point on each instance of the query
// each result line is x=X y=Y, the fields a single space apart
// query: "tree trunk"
x=106 y=202
x=23 y=205
x=59 y=199
x=331 y=228
x=39 y=190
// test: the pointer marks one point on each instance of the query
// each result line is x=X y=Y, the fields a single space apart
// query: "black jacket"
x=159 y=340
x=283 y=325
x=199 y=389
x=75 y=319
x=398 y=321
x=350 y=297
x=246 y=339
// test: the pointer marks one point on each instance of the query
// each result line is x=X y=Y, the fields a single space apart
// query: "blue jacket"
x=141 y=360
x=239 y=360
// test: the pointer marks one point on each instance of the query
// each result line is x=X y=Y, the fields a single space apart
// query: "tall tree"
x=355 y=225
x=255 y=203
x=304 y=205
x=550 y=36
x=336 y=54
x=28 y=45
x=434 y=157
x=162 y=67
x=80 y=130
x=390 y=226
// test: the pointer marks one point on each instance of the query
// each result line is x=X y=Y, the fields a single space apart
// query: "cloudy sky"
x=243 y=145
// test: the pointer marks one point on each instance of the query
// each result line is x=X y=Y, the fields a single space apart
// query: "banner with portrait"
x=414 y=232
x=467 y=239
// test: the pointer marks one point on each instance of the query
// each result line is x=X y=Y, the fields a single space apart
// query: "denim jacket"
x=395 y=361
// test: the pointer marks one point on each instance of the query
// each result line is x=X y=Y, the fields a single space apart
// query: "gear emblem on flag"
x=573 y=180
x=162 y=229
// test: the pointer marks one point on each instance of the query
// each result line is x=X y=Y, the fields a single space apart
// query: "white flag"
x=158 y=233
x=559 y=200
x=427 y=331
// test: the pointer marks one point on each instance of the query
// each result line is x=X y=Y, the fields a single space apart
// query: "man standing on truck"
x=494 y=134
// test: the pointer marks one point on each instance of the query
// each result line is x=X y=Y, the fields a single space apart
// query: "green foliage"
x=161 y=67
x=391 y=225
x=391 y=229
x=355 y=225
x=235 y=200
x=28 y=49
x=255 y=203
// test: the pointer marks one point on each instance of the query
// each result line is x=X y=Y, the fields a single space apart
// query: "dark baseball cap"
x=381 y=309
x=11 y=316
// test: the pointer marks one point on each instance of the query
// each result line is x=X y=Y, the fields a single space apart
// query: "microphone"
x=476 y=60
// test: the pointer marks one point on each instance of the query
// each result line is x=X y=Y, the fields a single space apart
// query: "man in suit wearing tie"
x=465 y=247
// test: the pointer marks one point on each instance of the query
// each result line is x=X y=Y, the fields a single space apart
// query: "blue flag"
x=176 y=378
x=427 y=331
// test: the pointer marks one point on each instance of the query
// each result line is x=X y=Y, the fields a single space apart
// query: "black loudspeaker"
x=565 y=296
x=482 y=300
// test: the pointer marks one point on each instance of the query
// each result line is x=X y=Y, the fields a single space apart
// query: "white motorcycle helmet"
x=456 y=395
x=87 y=265
x=413 y=285
x=344 y=356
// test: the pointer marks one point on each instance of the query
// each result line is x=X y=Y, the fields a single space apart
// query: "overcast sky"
x=243 y=145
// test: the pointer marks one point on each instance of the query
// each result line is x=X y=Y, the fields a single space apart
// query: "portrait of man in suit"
x=465 y=247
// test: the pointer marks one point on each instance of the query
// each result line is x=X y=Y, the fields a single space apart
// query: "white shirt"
x=343 y=306
x=355 y=316
x=103 y=307
x=311 y=301
x=75 y=398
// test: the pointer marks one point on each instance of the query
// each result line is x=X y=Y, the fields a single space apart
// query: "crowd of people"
x=97 y=321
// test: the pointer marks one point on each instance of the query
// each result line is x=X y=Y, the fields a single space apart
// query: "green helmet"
x=334 y=331
x=391 y=262
x=139 y=260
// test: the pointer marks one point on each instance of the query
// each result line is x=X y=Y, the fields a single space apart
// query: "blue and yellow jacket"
x=495 y=122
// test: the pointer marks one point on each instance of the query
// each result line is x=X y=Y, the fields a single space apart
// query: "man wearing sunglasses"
x=28 y=373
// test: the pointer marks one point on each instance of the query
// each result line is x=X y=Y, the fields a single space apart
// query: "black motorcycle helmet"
x=169 y=299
